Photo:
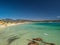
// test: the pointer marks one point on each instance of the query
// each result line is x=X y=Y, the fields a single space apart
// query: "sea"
x=24 y=33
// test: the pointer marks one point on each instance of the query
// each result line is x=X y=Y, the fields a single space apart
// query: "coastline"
x=11 y=24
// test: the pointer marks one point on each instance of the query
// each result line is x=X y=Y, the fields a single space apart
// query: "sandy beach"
x=11 y=24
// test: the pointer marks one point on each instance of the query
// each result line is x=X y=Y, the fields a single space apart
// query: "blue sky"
x=30 y=9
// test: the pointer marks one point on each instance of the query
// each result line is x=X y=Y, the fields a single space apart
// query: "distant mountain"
x=21 y=20
x=8 y=20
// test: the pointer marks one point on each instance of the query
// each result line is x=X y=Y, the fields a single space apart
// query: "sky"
x=30 y=9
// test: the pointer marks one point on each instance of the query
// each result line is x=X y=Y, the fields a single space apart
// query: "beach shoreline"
x=10 y=24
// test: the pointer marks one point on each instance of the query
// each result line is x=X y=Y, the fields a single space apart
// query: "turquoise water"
x=49 y=32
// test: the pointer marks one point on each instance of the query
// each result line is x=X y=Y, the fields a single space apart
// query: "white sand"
x=10 y=24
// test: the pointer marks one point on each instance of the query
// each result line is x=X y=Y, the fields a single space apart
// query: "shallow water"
x=49 y=32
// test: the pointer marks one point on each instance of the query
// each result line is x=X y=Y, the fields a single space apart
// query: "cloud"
x=58 y=16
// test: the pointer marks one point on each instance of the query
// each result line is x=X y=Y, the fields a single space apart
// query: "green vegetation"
x=2 y=21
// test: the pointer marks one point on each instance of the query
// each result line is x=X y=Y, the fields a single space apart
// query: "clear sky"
x=30 y=9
